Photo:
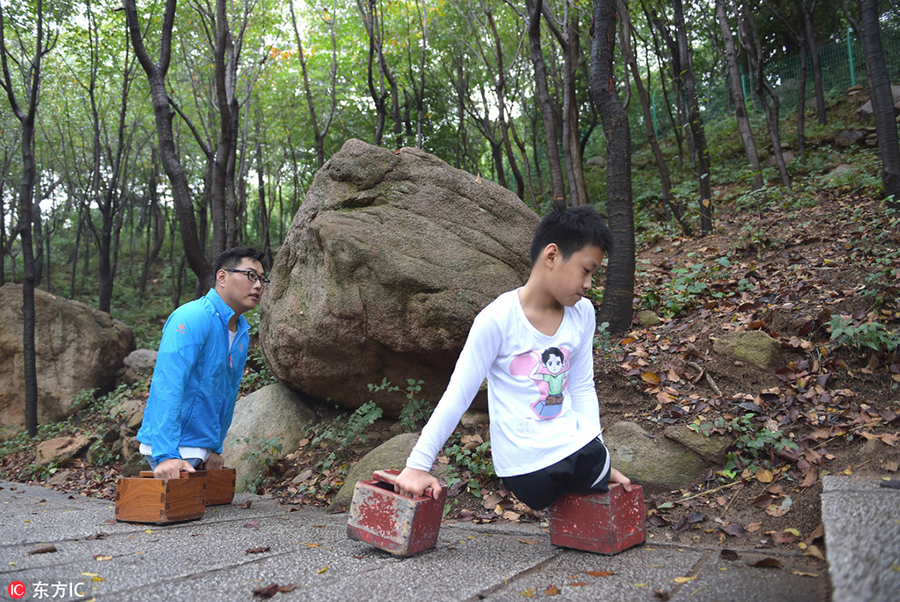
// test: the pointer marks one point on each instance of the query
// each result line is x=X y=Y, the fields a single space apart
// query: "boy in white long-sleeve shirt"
x=535 y=347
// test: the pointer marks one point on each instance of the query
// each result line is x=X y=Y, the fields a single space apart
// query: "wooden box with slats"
x=144 y=499
x=219 y=486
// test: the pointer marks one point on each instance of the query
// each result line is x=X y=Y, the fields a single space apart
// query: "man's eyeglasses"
x=251 y=275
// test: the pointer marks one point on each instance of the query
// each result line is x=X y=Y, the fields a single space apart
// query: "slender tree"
x=882 y=100
x=694 y=120
x=737 y=92
x=29 y=63
x=181 y=192
x=664 y=176
x=618 y=296
x=320 y=130
x=545 y=100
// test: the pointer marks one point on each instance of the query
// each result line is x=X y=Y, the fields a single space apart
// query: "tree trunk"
x=814 y=56
x=26 y=116
x=155 y=225
x=571 y=138
x=618 y=297
x=882 y=101
x=695 y=122
x=737 y=90
x=764 y=90
x=181 y=193
x=664 y=177
x=542 y=91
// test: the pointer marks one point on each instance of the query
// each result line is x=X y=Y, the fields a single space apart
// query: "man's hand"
x=214 y=462
x=172 y=468
x=413 y=483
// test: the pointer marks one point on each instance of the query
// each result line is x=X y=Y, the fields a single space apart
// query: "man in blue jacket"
x=199 y=368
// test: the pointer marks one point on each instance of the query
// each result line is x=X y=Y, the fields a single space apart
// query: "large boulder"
x=77 y=347
x=265 y=420
x=387 y=262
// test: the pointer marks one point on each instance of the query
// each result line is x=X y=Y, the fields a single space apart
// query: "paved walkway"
x=210 y=559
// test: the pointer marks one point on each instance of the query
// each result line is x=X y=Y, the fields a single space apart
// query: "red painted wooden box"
x=145 y=499
x=606 y=523
x=394 y=523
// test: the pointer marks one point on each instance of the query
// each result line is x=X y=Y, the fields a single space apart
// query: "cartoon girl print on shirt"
x=550 y=372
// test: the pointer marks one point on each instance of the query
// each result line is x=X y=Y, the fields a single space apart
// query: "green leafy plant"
x=753 y=442
x=870 y=335
x=469 y=462
x=342 y=432
x=603 y=339
x=264 y=453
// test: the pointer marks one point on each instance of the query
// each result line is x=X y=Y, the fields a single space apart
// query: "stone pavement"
x=210 y=559
x=862 y=530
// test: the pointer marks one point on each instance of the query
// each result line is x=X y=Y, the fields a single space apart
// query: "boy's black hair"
x=550 y=352
x=230 y=258
x=571 y=229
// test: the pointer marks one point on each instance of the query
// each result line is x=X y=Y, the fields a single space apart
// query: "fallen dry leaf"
x=729 y=555
x=684 y=579
x=251 y=524
x=258 y=550
x=288 y=587
x=552 y=591
x=600 y=573
x=814 y=551
x=267 y=591
x=45 y=549
x=764 y=476
x=102 y=557
x=768 y=562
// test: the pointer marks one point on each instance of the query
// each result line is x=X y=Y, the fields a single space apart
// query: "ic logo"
x=16 y=590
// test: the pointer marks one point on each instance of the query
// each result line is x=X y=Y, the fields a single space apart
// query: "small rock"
x=648 y=318
x=754 y=347
x=474 y=419
x=59 y=449
x=59 y=478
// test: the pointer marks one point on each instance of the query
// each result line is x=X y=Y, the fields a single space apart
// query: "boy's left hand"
x=617 y=477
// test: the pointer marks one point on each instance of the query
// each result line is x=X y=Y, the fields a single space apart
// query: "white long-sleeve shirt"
x=531 y=426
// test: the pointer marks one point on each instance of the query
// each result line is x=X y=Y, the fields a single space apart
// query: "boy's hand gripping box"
x=145 y=499
x=606 y=523
x=394 y=523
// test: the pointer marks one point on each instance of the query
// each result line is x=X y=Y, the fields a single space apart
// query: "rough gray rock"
x=77 y=347
x=753 y=346
x=60 y=449
x=138 y=365
x=387 y=262
x=660 y=463
x=273 y=414
x=390 y=454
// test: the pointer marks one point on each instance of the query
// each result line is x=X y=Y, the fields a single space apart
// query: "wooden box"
x=606 y=523
x=394 y=523
x=145 y=499
x=219 y=486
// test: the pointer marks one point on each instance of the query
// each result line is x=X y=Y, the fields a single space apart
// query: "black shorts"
x=579 y=473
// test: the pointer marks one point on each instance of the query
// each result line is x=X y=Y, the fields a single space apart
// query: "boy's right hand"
x=171 y=468
x=413 y=483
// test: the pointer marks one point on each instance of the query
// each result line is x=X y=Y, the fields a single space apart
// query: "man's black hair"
x=232 y=257
x=571 y=229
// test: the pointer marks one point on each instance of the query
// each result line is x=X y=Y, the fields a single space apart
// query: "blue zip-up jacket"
x=196 y=379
